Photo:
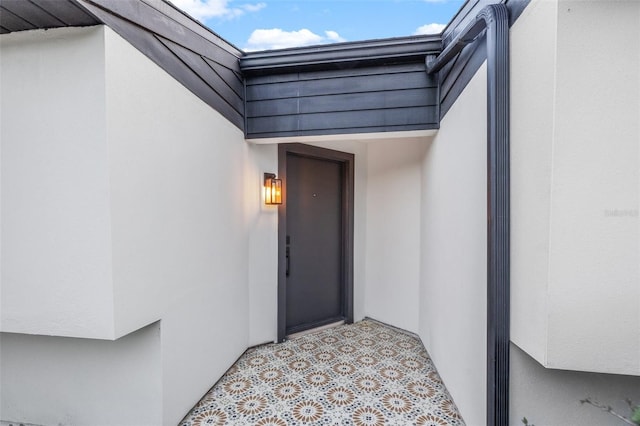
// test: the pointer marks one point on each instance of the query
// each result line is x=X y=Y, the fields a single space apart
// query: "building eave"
x=24 y=15
x=341 y=55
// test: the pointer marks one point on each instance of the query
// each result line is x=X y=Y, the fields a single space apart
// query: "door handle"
x=287 y=255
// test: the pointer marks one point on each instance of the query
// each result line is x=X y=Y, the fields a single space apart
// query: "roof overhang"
x=23 y=15
x=341 y=55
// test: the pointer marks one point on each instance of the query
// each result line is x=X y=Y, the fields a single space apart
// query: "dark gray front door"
x=314 y=277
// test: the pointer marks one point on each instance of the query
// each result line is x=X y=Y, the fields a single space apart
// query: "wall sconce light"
x=272 y=189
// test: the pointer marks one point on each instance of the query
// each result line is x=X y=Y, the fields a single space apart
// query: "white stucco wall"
x=594 y=272
x=55 y=274
x=452 y=296
x=178 y=192
x=576 y=185
x=574 y=205
x=263 y=246
x=178 y=175
x=531 y=171
x=548 y=397
x=68 y=381
x=176 y=171
x=393 y=231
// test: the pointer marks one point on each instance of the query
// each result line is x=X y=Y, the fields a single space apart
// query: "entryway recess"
x=315 y=238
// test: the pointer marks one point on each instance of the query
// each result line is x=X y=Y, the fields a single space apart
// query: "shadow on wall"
x=553 y=397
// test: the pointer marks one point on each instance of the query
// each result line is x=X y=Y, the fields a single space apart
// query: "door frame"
x=348 y=161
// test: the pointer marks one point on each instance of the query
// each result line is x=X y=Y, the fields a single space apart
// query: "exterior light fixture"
x=272 y=189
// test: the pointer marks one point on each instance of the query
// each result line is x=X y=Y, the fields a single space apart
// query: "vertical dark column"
x=498 y=262
x=495 y=20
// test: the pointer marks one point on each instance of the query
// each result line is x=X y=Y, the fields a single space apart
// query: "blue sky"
x=273 y=24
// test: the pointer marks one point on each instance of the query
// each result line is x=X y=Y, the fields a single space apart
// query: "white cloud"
x=430 y=29
x=205 y=9
x=334 y=36
x=254 y=7
x=276 y=38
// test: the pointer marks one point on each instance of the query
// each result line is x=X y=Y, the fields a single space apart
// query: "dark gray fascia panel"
x=168 y=22
x=494 y=21
x=181 y=17
x=340 y=55
x=179 y=47
x=346 y=88
x=390 y=98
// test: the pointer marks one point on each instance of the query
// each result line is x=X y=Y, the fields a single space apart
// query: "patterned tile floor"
x=363 y=374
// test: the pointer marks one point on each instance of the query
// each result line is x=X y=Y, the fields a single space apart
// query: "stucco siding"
x=56 y=255
x=531 y=172
x=68 y=381
x=594 y=270
x=574 y=202
x=548 y=397
x=453 y=236
x=262 y=221
x=172 y=177
x=575 y=188
x=393 y=230
x=179 y=230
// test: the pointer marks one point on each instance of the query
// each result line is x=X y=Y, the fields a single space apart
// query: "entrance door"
x=317 y=246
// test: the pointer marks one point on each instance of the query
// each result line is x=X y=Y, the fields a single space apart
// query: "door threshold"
x=314 y=330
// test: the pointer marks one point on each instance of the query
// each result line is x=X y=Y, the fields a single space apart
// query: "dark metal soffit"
x=160 y=17
x=341 y=55
x=23 y=15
